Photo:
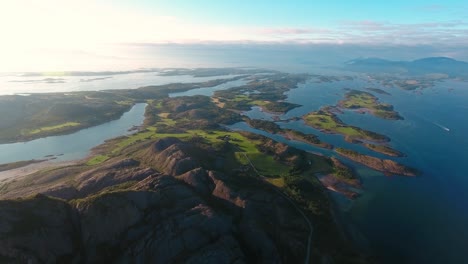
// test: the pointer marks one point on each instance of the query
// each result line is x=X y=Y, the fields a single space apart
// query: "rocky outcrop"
x=198 y=216
x=386 y=166
x=111 y=174
x=199 y=180
x=95 y=180
x=170 y=156
x=39 y=230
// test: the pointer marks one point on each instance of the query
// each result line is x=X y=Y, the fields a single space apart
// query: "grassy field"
x=265 y=164
x=29 y=132
x=358 y=99
x=98 y=159
x=326 y=121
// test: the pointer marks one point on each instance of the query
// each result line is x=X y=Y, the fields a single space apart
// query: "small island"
x=389 y=167
x=266 y=93
x=384 y=150
x=364 y=102
x=327 y=121
x=377 y=90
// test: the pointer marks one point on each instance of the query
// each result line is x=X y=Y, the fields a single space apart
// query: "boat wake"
x=441 y=126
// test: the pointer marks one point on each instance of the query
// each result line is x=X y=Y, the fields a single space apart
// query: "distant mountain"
x=431 y=65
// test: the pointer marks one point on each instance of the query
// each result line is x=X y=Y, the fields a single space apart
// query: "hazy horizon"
x=148 y=56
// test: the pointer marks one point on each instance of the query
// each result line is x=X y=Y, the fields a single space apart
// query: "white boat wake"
x=441 y=126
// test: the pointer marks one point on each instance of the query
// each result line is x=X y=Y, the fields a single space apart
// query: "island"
x=364 y=102
x=290 y=134
x=379 y=91
x=388 y=167
x=384 y=150
x=326 y=121
x=267 y=93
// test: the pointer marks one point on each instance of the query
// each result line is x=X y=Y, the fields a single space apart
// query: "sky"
x=34 y=31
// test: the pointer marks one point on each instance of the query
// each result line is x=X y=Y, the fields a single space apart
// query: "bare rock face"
x=199 y=180
x=95 y=180
x=161 y=221
x=170 y=156
x=111 y=174
x=38 y=230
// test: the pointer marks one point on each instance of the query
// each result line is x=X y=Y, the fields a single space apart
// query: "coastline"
x=13 y=174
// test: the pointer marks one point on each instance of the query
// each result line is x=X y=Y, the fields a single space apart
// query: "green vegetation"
x=40 y=115
x=307 y=138
x=242 y=157
x=273 y=128
x=98 y=159
x=366 y=101
x=59 y=127
x=264 y=92
x=384 y=150
x=328 y=122
x=379 y=91
x=279 y=107
x=265 y=125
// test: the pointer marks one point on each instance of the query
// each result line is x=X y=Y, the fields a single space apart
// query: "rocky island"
x=389 y=167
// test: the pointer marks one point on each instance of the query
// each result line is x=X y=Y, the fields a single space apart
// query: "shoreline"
x=9 y=175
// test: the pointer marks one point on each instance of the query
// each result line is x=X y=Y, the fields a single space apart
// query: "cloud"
x=292 y=31
x=377 y=32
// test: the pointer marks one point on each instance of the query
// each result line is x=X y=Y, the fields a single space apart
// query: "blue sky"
x=309 y=12
x=33 y=31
